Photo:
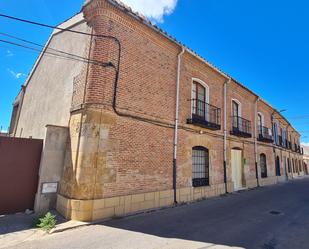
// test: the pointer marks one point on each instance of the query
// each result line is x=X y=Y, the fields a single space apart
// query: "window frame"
x=200 y=181
x=265 y=172
x=239 y=107
x=206 y=97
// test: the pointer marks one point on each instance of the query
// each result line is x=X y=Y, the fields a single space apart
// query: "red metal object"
x=19 y=167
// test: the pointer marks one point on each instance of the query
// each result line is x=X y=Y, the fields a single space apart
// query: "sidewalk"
x=16 y=228
x=20 y=227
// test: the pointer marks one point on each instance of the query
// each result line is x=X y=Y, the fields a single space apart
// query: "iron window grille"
x=200 y=166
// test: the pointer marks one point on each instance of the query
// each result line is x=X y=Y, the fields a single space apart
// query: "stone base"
x=90 y=210
x=268 y=181
x=252 y=183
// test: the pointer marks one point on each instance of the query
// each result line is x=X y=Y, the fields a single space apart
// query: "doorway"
x=278 y=166
x=236 y=165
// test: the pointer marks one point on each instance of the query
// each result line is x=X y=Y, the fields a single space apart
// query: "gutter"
x=255 y=141
x=176 y=126
x=225 y=134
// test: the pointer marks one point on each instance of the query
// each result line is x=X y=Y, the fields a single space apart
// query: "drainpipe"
x=287 y=139
x=255 y=141
x=275 y=140
x=225 y=133
x=176 y=125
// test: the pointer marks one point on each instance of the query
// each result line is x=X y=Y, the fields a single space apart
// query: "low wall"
x=89 y=210
x=268 y=181
x=51 y=166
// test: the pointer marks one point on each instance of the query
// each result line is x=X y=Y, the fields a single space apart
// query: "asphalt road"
x=269 y=217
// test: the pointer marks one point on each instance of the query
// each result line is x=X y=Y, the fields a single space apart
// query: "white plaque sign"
x=49 y=187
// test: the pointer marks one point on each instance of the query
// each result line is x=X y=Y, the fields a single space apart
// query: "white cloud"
x=15 y=75
x=9 y=53
x=305 y=144
x=153 y=9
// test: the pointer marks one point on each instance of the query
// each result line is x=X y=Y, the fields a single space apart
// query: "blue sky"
x=261 y=43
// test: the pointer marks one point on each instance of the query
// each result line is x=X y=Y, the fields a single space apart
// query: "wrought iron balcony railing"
x=265 y=134
x=205 y=115
x=289 y=145
x=281 y=141
x=241 y=127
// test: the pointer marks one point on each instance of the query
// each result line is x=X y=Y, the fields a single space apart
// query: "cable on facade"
x=56 y=55
x=92 y=35
x=52 y=49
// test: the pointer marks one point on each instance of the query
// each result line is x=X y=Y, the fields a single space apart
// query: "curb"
x=64 y=227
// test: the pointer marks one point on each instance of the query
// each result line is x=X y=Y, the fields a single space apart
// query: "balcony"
x=265 y=135
x=279 y=141
x=241 y=127
x=205 y=115
x=295 y=148
x=289 y=145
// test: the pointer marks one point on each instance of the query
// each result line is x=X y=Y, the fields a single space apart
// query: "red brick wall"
x=139 y=155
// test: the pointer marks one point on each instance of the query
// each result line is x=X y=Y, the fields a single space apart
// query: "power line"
x=115 y=39
x=49 y=48
x=96 y=62
x=39 y=50
x=70 y=56
x=58 y=28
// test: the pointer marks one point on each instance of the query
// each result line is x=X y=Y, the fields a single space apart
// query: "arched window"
x=260 y=120
x=236 y=113
x=200 y=98
x=276 y=134
x=200 y=166
x=293 y=165
x=263 y=165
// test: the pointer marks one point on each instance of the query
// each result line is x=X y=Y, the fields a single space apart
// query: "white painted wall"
x=49 y=88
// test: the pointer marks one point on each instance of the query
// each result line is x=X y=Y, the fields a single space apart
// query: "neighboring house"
x=171 y=128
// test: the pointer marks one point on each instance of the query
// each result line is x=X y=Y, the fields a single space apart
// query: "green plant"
x=47 y=222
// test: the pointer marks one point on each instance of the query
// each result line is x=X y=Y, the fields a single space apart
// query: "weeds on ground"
x=47 y=222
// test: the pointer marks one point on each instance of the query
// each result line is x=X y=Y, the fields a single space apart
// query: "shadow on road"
x=268 y=217
x=18 y=222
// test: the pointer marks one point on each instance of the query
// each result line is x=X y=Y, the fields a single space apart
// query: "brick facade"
x=119 y=163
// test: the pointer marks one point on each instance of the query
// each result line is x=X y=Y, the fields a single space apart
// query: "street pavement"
x=270 y=217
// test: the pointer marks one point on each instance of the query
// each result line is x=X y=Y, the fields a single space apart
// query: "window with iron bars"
x=200 y=166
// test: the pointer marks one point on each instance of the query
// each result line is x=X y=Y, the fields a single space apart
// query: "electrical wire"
x=52 y=49
x=81 y=59
x=115 y=67
x=56 y=27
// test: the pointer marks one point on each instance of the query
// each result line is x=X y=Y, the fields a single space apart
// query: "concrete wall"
x=51 y=166
x=48 y=91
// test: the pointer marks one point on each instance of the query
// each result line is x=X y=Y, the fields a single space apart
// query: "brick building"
x=150 y=122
